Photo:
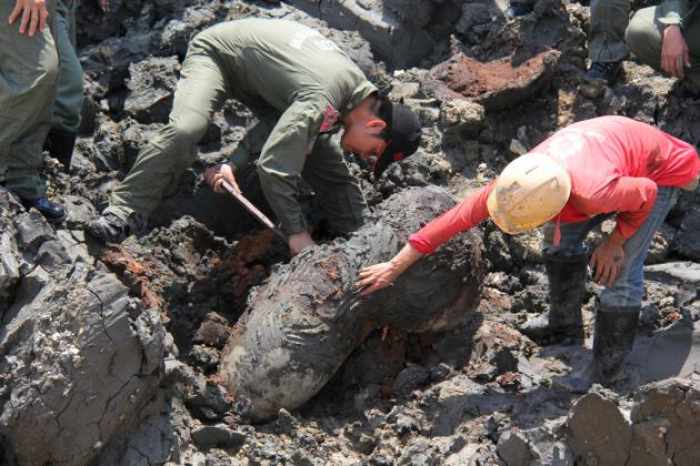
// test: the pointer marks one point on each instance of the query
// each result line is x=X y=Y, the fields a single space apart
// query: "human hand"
x=607 y=260
x=674 y=52
x=34 y=15
x=377 y=276
x=216 y=175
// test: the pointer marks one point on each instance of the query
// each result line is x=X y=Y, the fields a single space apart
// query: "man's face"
x=363 y=139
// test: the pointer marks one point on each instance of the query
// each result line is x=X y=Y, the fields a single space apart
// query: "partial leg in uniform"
x=607 y=48
x=28 y=72
x=69 y=92
x=200 y=92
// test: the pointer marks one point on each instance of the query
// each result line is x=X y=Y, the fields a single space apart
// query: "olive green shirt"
x=296 y=71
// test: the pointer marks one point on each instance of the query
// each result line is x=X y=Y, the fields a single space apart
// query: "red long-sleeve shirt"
x=615 y=164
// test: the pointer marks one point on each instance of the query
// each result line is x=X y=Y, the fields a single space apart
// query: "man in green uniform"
x=660 y=36
x=28 y=71
x=69 y=90
x=287 y=70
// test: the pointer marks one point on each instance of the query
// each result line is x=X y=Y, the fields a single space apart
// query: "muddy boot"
x=567 y=287
x=110 y=228
x=615 y=329
x=60 y=145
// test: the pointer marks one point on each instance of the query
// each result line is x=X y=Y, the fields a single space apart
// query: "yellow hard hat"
x=531 y=190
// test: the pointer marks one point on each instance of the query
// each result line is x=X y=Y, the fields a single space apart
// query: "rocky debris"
x=80 y=359
x=402 y=32
x=661 y=426
x=684 y=273
x=495 y=352
x=495 y=85
x=311 y=300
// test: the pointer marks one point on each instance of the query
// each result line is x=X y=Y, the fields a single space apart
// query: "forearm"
x=404 y=259
x=616 y=238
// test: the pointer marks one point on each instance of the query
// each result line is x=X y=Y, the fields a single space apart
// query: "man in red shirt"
x=574 y=180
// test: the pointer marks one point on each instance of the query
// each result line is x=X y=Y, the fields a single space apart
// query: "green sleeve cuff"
x=240 y=157
x=671 y=13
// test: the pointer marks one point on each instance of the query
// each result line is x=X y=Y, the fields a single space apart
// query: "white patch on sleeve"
x=301 y=39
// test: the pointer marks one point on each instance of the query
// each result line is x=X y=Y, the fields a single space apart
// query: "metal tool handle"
x=253 y=210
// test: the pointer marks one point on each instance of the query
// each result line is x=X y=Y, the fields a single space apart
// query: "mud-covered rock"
x=302 y=324
x=598 y=432
x=80 y=361
x=665 y=423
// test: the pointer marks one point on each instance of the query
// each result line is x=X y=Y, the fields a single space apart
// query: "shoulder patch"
x=330 y=118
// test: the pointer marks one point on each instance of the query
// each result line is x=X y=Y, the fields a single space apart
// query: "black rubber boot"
x=567 y=288
x=605 y=72
x=60 y=144
x=615 y=329
x=52 y=211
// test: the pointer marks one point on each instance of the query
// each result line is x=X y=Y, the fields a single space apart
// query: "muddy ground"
x=110 y=355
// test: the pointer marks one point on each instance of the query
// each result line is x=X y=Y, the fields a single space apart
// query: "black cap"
x=403 y=133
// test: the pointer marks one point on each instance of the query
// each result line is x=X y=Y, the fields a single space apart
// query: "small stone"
x=517 y=148
x=514 y=449
x=410 y=379
x=205 y=357
x=462 y=115
x=213 y=331
x=218 y=435
x=285 y=422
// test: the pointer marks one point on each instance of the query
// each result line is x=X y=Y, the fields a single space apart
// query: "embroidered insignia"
x=330 y=117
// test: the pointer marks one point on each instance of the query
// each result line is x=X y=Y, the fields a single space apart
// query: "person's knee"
x=188 y=131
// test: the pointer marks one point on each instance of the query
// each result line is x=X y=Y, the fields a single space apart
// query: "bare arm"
x=378 y=276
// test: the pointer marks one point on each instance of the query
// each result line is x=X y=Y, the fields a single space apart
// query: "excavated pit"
x=305 y=321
